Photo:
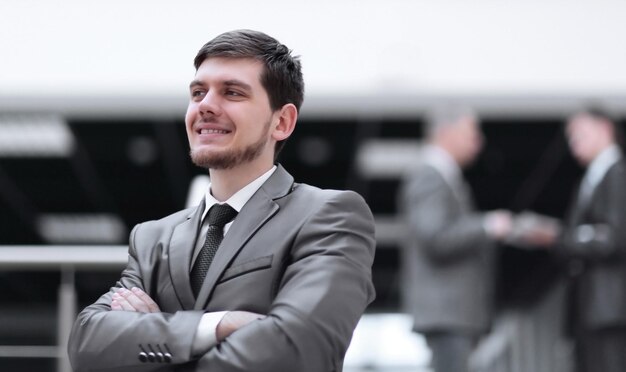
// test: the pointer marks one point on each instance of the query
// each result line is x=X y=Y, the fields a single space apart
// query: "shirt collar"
x=241 y=197
x=442 y=161
x=601 y=164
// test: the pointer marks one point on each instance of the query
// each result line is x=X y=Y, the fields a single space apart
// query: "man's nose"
x=210 y=104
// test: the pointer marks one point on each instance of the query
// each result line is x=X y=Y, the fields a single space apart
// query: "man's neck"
x=226 y=182
x=602 y=152
x=448 y=150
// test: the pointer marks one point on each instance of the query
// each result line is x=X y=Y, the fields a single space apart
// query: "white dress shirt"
x=597 y=170
x=237 y=201
x=206 y=336
x=439 y=159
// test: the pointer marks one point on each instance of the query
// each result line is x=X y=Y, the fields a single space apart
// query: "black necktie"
x=219 y=215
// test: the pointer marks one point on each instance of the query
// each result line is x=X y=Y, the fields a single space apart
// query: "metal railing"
x=522 y=340
x=67 y=260
x=528 y=339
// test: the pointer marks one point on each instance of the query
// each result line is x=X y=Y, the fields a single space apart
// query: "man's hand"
x=499 y=224
x=543 y=236
x=232 y=321
x=133 y=300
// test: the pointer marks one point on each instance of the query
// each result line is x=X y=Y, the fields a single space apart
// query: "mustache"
x=212 y=119
x=208 y=119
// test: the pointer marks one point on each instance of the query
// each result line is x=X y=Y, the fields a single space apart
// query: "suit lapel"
x=457 y=186
x=577 y=207
x=254 y=214
x=586 y=199
x=181 y=249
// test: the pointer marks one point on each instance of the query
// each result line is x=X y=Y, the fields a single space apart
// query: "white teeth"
x=213 y=131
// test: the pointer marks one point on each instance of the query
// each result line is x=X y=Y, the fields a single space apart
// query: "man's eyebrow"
x=237 y=83
x=228 y=83
x=195 y=83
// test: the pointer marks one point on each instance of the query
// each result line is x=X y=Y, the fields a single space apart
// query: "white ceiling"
x=142 y=50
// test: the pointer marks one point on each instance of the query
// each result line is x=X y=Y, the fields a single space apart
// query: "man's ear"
x=287 y=117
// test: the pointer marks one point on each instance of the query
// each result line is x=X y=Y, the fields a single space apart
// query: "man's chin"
x=227 y=158
x=212 y=160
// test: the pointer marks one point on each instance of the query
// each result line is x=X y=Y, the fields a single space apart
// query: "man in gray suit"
x=594 y=244
x=286 y=286
x=448 y=252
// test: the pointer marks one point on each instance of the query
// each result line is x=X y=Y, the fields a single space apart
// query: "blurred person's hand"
x=540 y=236
x=499 y=224
x=536 y=230
x=133 y=300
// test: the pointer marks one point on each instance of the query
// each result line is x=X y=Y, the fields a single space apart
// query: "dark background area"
x=139 y=170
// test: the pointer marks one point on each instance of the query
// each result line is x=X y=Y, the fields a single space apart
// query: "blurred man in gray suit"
x=266 y=274
x=448 y=252
x=594 y=244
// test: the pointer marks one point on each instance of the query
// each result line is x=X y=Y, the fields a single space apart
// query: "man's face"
x=586 y=137
x=228 y=119
x=468 y=140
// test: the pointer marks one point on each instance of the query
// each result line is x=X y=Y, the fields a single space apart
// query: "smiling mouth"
x=213 y=131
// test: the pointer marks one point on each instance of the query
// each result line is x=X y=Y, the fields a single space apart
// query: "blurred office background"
x=92 y=141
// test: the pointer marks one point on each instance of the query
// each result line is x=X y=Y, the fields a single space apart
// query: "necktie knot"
x=221 y=214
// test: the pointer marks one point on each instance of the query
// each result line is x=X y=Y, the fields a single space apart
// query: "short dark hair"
x=282 y=73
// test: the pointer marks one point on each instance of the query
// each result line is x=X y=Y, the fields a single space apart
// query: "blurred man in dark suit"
x=594 y=244
x=448 y=253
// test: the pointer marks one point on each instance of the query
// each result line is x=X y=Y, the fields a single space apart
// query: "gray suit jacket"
x=447 y=258
x=299 y=254
x=594 y=243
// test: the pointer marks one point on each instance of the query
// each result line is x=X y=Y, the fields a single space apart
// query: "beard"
x=230 y=158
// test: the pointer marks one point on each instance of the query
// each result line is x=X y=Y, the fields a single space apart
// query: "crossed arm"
x=137 y=300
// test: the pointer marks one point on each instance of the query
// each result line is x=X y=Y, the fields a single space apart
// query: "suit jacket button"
x=151 y=357
x=143 y=357
x=167 y=357
x=159 y=357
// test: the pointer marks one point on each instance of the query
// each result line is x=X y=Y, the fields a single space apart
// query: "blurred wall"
x=135 y=56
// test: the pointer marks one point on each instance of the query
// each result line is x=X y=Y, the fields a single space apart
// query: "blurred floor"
x=385 y=342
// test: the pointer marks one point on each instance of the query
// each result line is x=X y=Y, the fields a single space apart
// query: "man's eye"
x=233 y=93
x=197 y=93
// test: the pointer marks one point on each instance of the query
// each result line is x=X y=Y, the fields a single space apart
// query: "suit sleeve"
x=435 y=218
x=323 y=293
x=105 y=340
x=603 y=237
